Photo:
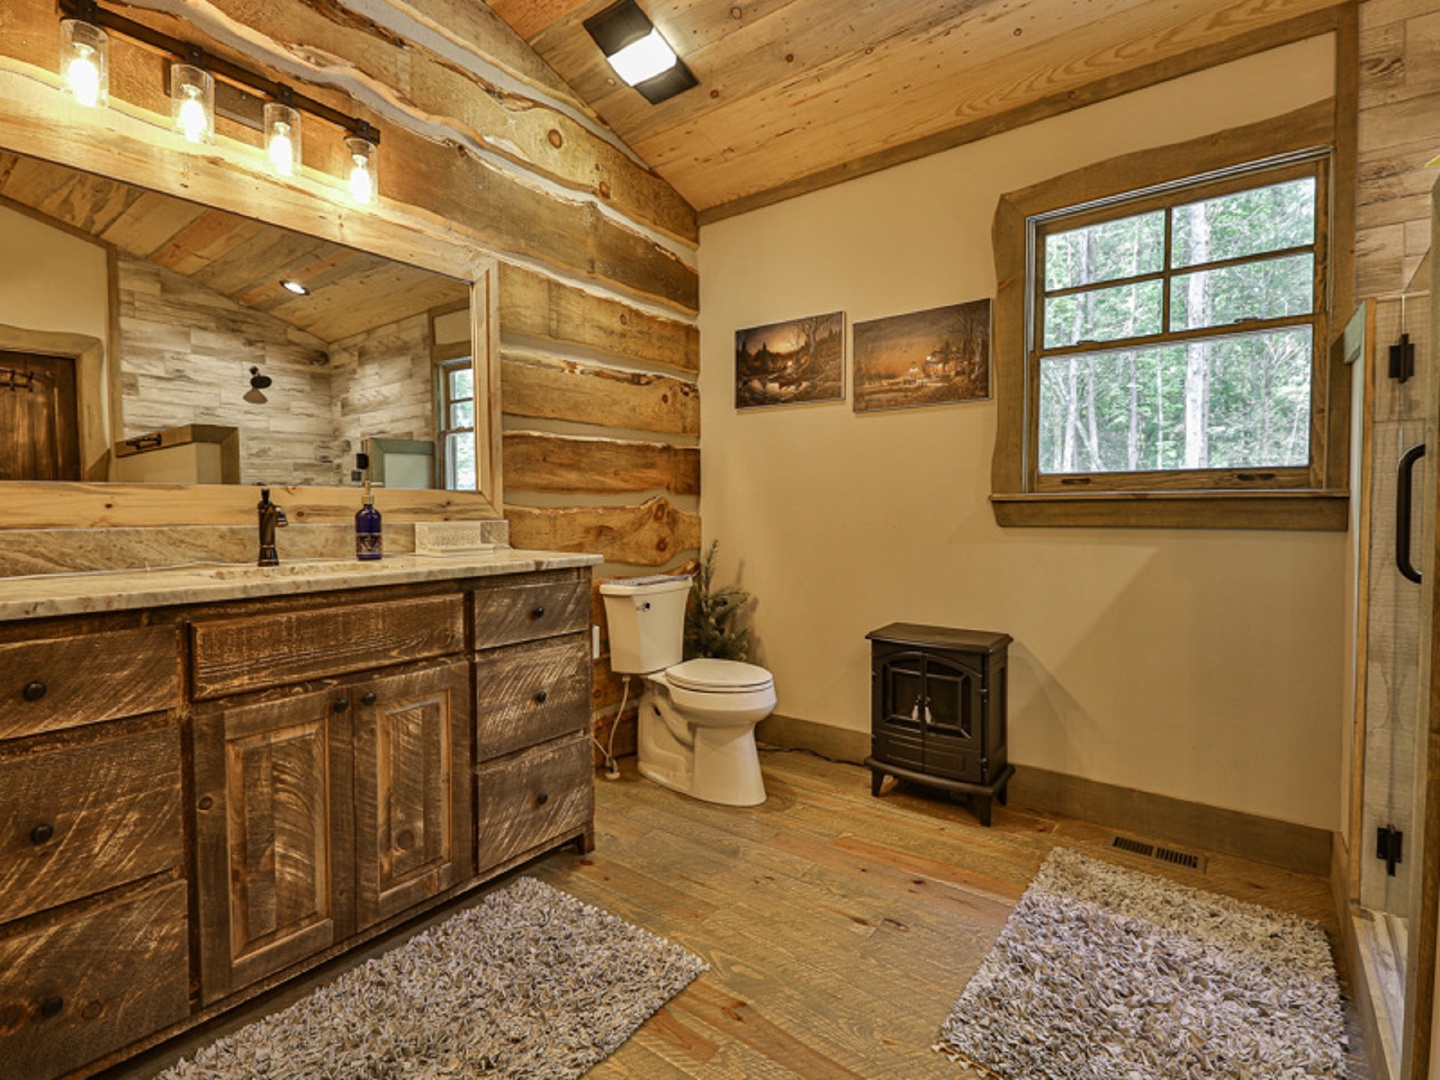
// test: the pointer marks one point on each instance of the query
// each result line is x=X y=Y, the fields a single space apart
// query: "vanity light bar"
x=94 y=22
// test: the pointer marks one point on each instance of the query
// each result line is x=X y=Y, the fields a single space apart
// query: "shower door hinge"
x=1402 y=359
x=1389 y=842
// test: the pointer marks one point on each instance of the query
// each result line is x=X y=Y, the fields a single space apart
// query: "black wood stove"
x=937 y=711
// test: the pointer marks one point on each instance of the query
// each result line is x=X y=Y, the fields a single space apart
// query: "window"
x=455 y=416
x=1169 y=349
x=1180 y=336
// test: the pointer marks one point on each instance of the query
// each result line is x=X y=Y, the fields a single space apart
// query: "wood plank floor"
x=839 y=928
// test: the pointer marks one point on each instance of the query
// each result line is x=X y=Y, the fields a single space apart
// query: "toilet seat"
x=711 y=676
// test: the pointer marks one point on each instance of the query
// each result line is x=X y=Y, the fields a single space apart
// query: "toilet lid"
x=727 y=675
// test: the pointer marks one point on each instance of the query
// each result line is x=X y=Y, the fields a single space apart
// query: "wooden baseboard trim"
x=1302 y=848
x=842 y=744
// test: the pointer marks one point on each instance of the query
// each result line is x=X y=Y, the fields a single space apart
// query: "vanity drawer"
x=533 y=797
x=69 y=681
x=537 y=606
x=526 y=694
x=79 y=820
x=74 y=991
x=232 y=656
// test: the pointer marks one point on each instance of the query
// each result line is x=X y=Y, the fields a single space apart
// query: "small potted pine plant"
x=711 y=628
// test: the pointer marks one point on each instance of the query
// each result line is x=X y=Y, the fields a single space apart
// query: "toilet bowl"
x=697 y=717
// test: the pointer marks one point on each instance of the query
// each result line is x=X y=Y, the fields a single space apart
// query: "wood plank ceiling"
x=350 y=291
x=797 y=94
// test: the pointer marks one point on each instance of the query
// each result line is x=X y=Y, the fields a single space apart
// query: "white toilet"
x=697 y=718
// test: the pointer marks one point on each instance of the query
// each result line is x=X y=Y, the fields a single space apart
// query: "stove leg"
x=981 y=804
x=877 y=778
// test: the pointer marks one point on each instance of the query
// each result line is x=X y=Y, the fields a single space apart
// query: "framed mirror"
x=150 y=343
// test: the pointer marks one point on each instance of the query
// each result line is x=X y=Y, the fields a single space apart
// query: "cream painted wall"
x=1204 y=665
x=50 y=279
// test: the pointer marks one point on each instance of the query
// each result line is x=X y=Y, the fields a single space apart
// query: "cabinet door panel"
x=412 y=789
x=271 y=836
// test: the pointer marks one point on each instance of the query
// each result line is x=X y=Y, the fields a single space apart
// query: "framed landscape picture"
x=790 y=363
x=932 y=357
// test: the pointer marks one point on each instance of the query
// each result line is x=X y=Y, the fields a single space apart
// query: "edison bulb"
x=83 y=76
x=283 y=138
x=191 y=118
x=362 y=184
x=281 y=150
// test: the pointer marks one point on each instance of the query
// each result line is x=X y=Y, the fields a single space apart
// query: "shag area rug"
x=528 y=983
x=1103 y=973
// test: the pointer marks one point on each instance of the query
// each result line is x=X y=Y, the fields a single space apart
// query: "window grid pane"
x=1224 y=403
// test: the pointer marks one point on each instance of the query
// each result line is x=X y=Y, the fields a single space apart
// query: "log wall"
x=484 y=153
x=1399 y=102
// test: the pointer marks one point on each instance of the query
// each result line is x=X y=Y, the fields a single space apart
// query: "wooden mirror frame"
x=117 y=143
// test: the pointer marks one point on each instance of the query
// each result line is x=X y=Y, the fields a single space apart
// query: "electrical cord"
x=612 y=767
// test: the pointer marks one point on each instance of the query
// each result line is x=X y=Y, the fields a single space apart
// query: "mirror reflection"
x=145 y=338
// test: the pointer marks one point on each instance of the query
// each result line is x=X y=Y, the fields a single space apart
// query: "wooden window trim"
x=1320 y=499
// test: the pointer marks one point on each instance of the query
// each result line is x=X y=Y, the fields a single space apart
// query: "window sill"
x=1312 y=511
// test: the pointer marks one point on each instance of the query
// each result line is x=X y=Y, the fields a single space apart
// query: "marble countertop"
x=43 y=595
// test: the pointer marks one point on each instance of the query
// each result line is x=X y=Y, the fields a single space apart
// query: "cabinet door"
x=898 y=706
x=953 y=710
x=272 y=833
x=412 y=788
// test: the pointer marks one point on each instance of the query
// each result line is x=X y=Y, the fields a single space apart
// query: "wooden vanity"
x=199 y=801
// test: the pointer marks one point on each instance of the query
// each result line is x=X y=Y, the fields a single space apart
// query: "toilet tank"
x=646 y=617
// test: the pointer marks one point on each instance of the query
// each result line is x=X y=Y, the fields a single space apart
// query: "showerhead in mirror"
x=258 y=383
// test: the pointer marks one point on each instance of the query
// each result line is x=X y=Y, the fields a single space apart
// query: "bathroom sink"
x=299 y=568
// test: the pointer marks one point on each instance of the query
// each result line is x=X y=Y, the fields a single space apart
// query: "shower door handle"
x=1403 y=497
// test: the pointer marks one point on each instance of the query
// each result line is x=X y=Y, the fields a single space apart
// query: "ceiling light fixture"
x=638 y=53
x=192 y=97
x=85 y=56
x=282 y=133
x=249 y=99
x=295 y=287
x=363 y=146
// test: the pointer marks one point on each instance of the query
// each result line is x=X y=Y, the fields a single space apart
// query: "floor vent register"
x=1186 y=859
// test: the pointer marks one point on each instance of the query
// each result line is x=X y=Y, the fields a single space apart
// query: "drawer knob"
x=368 y=698
x=542 y=799
x=539 y=612
x=542 y=697
x=341 y=705
x=41 y=833
x=34 y=691
x=51 y=1006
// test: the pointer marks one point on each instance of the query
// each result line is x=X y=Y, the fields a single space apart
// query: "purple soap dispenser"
x=367 y=528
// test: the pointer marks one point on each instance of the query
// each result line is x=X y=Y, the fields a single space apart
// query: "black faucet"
x=271 y=517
